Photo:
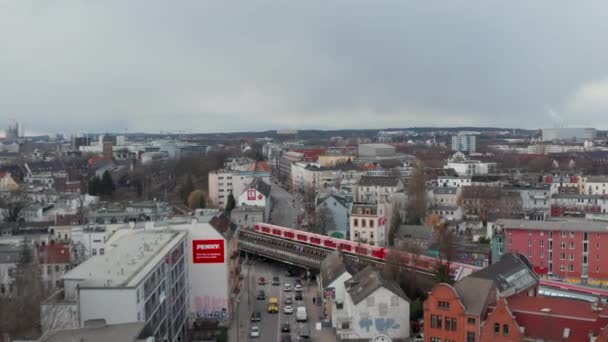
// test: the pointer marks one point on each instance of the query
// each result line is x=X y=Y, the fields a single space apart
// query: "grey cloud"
x=214 y=66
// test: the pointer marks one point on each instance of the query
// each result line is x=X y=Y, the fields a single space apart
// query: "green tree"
x=107 y=184
x=230 y=203
x=442 y=274
x=196 y=199
x=95 y=186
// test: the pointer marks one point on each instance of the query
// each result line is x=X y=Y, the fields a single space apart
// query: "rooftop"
x=54 y=253
x=128 y=259
x=127 y=332
x=475 y=293
x=379 y=181
x=556 y=224
x=332 y=267
x=512 y=273
x=364 y=283
x=548 y=318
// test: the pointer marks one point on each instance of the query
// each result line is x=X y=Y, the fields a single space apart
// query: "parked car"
x=276 y=281
x=297 y=286
x=255 y=332
x=256 y=316
x=261 y=295
x=298 y=295
x=288 y=301
x=262 y=281
x=288 y=309
x=286 y=327
x=287 y=287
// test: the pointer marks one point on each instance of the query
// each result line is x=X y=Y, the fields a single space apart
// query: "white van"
x=301 y=315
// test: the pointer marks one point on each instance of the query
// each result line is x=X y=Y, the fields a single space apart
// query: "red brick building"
x=572 y=249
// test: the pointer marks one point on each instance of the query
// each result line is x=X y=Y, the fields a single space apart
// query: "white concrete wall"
x=369 y=321
x=340 y=292
x=114 y=305
x=208 y=286
x=242 y=199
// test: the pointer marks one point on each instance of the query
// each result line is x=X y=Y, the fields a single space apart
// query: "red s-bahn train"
x=422 y=262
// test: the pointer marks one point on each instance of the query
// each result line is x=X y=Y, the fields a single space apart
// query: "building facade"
x=367 y=224
x=464 y=143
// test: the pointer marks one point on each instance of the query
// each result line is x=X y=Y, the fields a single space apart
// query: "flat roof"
x=128 y=259
x=574 y=225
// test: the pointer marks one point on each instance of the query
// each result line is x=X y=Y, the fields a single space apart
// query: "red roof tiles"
x=54 y=253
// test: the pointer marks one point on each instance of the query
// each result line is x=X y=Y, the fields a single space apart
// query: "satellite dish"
x=381 y=338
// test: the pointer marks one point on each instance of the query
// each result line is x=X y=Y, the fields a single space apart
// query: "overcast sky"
x=202 y=66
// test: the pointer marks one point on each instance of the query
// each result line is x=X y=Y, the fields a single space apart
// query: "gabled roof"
x=475 y=294
x=221 y=223
x=261 y=186
x=340 y=199
x=512 y=273
x=379 y=181
x=332 y=267
x=364 y=283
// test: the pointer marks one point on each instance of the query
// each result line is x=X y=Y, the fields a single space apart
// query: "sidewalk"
x=315 y=317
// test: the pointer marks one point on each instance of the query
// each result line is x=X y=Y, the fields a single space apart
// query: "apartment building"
x=367 y=223
x=569 y=248
x=142 y=278
x=377 y=189
x=224 y=182
x=463 y=142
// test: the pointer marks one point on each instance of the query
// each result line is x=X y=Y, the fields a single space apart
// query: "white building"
x=224 y=182
x=465 y=167
x=333 y=274
x=569 y=134
x=339 y=207
x=377 y=189
x=464 y=142
x=594 y=185
x=367 y=224
x=257 y=194
x=373 y=306
x=453 y=182
x=141 y=278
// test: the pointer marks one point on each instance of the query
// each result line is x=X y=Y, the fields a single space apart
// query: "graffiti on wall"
x=211 y=307
x=381 y=324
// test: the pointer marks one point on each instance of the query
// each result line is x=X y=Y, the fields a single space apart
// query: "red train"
x=374 y=252
x=413 y=260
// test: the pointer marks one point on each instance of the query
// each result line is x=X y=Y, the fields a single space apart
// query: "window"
x=510 y=241
x=470 y=336
x=355 y=223
x=529 y=253
x=101 y=251
x=453 y=324
x=542 y=254
x=363 y=223
x=371 y=223
x=563 y=234
x=571 y=268
x=563 y=256
x=435 y=339
x=571 y=234
x=571 y=245
x=571 y=256
x=443 y=304
x=505 y=329
x=542 y=243
x=562 y=268
x=56 y=268
x=563 y=245
x=94 y=251
x=439 y=322
x=496 y=329
x=471 y=320
x=448 y=324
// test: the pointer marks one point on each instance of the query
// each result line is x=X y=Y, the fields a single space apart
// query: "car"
x=288 y=301
x=297 y=286
x=261 y=295
x=256 y=316
x=276 y=281
x=288 y=309
x=254 y=332
x=287 y=287
x=299 y=295
x=286 y=327
x=262 y=281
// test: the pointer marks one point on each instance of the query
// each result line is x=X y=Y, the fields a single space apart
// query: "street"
x=270 y=325
x=286 y=207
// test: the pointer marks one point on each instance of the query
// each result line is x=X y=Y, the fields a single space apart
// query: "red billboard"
x=251 y=194
x=207 y=251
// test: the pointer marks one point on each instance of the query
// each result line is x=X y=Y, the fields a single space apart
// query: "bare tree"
x=417 y=202
x=324 y=220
